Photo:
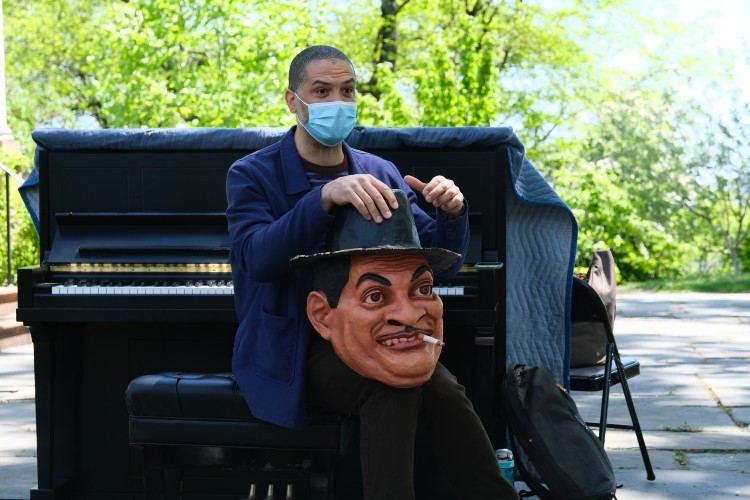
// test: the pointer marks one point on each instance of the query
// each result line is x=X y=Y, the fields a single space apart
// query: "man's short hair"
x=298 y=67
x=330 y=276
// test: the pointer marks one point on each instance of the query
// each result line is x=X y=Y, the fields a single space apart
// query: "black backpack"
x=551 y=443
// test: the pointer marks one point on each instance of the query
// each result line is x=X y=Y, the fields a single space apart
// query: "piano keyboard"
x=209 y=287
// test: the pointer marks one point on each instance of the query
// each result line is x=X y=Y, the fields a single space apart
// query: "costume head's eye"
x=424 y=290
x=374 y=297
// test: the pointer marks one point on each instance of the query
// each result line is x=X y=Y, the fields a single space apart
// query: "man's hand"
x=441 y=192
x=371 y=197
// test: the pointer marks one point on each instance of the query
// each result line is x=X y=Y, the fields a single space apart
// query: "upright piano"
x=134 y=278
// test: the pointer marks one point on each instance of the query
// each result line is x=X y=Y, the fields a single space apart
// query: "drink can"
x=506 y=463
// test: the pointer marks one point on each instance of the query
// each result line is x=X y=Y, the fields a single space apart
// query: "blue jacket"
x=273 y=215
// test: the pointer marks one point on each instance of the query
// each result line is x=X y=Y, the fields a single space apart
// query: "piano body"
x=134 y=278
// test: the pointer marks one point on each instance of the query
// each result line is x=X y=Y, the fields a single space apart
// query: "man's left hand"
x=440 y=192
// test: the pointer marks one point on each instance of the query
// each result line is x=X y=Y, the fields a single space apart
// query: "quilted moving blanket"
x=541 y=229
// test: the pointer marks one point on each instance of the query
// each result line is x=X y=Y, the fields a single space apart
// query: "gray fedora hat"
x=352 y=234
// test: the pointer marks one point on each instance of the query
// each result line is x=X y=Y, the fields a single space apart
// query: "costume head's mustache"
x=409 y=330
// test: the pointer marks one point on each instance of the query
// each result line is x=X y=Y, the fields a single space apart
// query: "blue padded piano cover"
x=541 y=230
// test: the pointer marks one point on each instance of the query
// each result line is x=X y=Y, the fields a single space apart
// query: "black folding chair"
x=587 y=306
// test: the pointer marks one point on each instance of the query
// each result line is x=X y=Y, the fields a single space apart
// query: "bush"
x=23 y=235
x=744 y=254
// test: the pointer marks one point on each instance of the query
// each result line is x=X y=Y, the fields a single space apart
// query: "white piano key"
x=212 y=289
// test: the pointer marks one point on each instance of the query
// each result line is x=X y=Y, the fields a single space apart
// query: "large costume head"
x=373 y=297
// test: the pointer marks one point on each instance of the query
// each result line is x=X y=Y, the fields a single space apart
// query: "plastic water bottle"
x=506 y=463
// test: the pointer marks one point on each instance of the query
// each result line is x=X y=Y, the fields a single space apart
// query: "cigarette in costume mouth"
x=409 y=332
x=432 y=340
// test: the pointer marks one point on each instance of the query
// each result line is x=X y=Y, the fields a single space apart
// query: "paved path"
x=17 y=423
x=692 y=397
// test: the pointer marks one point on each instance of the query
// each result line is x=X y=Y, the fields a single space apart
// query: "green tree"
x=23 y=238
x=637 y=136
x=46 y=45
x=603 y=209
x=715 y=187
x=541 y=67
x=470 y=62
x=202 y=63
x=162 y=63
x=152 y=63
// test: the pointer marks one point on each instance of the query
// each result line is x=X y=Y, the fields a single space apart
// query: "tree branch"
x=386 y=48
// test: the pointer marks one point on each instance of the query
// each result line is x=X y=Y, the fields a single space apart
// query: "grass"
x=681 y=428
x=717 y=284
x=680 y=458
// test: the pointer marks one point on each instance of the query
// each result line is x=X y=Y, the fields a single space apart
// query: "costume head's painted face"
x=385 y=307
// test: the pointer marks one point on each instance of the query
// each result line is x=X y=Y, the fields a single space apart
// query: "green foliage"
x=47 y=45
x=204 y=63
x=607 y=220
x=473 y=63
x=23 y=236
x=617 y=144
x=715 y=186
x=152 y=63
x=709 y=284
x=744 y=255
x=634 y=142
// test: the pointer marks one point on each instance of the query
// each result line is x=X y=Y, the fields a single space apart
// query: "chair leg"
x=605 y=392
x=634 y=419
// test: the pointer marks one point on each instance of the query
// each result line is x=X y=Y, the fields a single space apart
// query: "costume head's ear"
x=318 y=312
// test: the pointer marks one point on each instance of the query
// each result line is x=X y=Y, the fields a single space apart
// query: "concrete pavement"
x=692 y=398
x=17 y=423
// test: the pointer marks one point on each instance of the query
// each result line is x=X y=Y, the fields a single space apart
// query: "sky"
x=730 y=15
x=730 y=24
x=718 y=28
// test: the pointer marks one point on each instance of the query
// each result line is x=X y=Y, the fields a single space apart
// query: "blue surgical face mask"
x=329 y=122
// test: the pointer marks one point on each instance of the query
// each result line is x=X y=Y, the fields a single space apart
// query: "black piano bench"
x=187 y=422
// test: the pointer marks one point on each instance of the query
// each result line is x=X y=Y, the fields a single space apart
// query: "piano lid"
x=142 y=239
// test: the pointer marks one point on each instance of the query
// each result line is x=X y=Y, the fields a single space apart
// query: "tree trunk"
x=386 y=50
x=734 y=255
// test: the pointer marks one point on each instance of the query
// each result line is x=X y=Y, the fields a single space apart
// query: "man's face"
x=385 y=305
x=327 y=81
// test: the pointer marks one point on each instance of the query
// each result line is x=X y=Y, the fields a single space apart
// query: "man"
x=280 y=202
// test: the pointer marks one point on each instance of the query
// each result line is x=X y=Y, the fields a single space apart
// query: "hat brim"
x=439 y=259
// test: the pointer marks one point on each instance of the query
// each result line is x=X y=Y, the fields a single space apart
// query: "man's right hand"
x=371 y=197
